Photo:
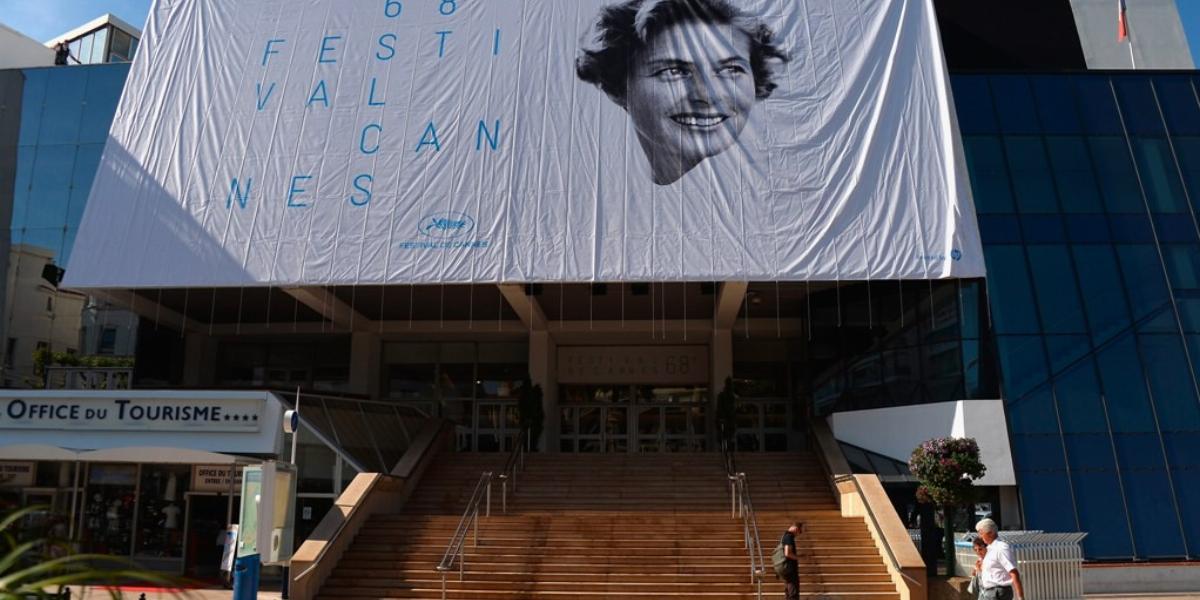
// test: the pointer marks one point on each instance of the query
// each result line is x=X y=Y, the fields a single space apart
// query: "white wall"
x=895 y=432
x=20 y=51
x=1159 y=41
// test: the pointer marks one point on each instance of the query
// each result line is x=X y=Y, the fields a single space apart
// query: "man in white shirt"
x=998 y=574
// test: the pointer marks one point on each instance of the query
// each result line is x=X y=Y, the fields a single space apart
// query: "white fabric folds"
x=312 y=142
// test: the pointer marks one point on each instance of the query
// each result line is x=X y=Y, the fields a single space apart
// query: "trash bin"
x=245 y=577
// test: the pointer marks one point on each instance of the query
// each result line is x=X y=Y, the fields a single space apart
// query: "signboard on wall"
x=625 y=365
x=273 y=142
x=192 y=415
x=17 y=474
x=216 y=478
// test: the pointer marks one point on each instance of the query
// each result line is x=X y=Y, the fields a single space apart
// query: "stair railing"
x=742 y=506
x=514 y=465
x=456 y=551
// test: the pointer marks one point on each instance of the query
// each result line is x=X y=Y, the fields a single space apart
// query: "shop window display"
x=108 y=516
x=161 y=511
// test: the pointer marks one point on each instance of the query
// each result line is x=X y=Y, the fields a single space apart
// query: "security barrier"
x=1051 y=564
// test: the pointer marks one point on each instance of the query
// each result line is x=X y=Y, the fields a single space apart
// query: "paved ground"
x=136 y=594
x=220 y=594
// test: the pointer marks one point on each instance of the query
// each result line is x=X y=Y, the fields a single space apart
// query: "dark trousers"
x=791 y=582
x=1004 y=592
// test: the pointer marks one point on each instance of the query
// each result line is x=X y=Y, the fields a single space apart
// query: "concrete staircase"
x=614 y=526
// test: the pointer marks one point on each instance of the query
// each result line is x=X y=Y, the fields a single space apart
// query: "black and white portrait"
x=688 y=72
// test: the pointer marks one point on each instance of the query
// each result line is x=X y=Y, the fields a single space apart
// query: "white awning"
x=37 y=452
x=159 y=455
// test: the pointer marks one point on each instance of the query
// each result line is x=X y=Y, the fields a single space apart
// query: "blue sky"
x=44 y=19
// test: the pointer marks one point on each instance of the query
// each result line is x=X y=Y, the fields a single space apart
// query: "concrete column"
x=199 y=360
x=1010 y=508
x=365 y=355
x=543 y=371
x=720 y=353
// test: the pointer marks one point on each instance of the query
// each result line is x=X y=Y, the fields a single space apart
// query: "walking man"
x=791 y=570
x=998 y=576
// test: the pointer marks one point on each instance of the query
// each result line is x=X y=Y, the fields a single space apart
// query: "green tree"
x=531 y=413
x=946 y=469
x=42 y=568
x=727 y=412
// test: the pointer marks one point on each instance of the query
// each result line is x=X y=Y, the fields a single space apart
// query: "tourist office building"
x=1025 y=273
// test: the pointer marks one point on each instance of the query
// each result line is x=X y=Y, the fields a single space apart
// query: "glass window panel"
x=969 y=303
x=1125 y=387
x=1011 y=293
x=1000 y=229
x=1056 y=104
x=1149 y=496
x=1054 y=281
x=100 y=46
x=1178 y=102
x=1046 y=500
x=1088 y=229
x=33 y=96
x=1189 y=312
x=971 y=370
x=63 y=108
x=1098 y=500
x=84 y=56
x=1032 y=182
x=119 y=50
x=989 y=174
x=1177 y=228
x=1116 y=175
x=161 y=515
x=76 y=48
x=1097 y=108
x=1015 y=108
x=973 y=100
x=1073 y=175
x=1171 y=382
x=1066 y=350
x=456 y=380
x=1138 y=106
x=1043 y=229
x=1183 y=456
x=1187 y=150
x=104 y=88
x=26 y=159
x=1079 y=404
x=1159 y=177
x=1143 y=279
x=1131 y=229
x=1183 y=266
x=1035 y=415
x=1022 y=363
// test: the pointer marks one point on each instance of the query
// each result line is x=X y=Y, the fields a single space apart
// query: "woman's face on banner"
x=690 y=93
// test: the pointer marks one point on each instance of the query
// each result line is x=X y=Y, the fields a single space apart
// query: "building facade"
x=1081 y=344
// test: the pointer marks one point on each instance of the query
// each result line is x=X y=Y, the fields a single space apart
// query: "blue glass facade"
x=65 y=117
x=55 y=123
x=1088 y=188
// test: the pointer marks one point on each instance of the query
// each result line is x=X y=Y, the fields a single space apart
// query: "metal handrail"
x=456 y=550
x=742 y=505
x=514 y=464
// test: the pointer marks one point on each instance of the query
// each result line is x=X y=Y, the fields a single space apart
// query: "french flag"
x=1122 y=22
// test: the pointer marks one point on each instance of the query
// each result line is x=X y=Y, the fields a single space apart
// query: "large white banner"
x=302 y=142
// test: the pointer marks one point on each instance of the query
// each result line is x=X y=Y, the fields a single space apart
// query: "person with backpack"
x=786 y=561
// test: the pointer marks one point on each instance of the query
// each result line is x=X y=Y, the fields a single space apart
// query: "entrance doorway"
x=207 y=516
x=616 y=419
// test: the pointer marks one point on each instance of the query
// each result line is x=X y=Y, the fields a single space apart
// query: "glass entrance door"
x=646 y=422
